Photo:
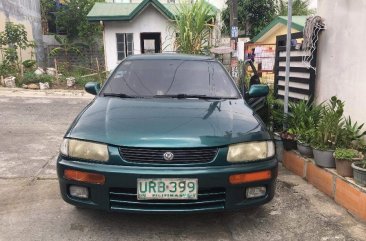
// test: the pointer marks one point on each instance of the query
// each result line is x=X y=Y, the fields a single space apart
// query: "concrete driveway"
x=31 y=129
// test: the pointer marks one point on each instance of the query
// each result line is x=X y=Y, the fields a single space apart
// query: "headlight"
x=84 y=150
x=251 y=151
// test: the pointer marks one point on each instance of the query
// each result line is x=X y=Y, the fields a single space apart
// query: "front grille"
x=157 y=155
x=125 y=199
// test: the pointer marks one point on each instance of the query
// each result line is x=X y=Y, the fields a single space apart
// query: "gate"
x=302 y=78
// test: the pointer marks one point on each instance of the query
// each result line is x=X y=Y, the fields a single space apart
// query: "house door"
x=150 y=43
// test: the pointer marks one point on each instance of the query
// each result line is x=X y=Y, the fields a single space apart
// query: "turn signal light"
x=84 y=176
x=250 y=177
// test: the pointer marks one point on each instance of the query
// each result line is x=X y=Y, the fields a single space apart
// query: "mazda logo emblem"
x=168 y=156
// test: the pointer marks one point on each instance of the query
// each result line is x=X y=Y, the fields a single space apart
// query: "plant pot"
x=359 y=174
x=289 y=144
x=305 y=149
x=344 y=167
x=324 y=158
x=279 y=147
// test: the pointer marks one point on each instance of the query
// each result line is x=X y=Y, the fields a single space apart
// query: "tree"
x=71 y=19
x=192 y=26
x=253 y=16
x=13 y=39
x=47 y=6
x=299 y=8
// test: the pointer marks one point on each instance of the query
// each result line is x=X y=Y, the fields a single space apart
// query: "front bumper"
x=119 y=191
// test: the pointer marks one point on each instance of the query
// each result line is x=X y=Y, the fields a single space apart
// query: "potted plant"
x=344 y=159
x=359 y=172
x=277 y=118
x=303 y=142
x=305 y=119
x=288 y=138
x=327 y=133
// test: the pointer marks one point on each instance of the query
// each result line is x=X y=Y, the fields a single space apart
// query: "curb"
x=58 y=93
x=343 y=190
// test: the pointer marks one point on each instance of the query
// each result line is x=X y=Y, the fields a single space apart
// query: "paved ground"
x=31 y=129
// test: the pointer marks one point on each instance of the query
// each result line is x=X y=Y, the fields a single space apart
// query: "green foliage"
x=192 y=25
x=11 y=56
x=81 y=81
x=30 y=77
x=253 y=16
x=14 y=35
x=328 y=132
x=347 y=154
x=29 y=63
x=12 y=41
x=303 y=119
x=6 y=69
x=72 y=19
x=299 y=8
x=351 y=134
x=48 y=19
x=275 y=112
x=66 y=47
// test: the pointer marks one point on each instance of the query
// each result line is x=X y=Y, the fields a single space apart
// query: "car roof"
x=169 y=57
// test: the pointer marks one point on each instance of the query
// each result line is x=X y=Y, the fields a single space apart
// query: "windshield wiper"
x=186 y=96
x=120 y=95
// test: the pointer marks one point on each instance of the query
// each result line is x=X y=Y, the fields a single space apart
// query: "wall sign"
x=234 y=31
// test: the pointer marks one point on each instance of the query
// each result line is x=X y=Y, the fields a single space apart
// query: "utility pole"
x=288 y=54
x=234 y=33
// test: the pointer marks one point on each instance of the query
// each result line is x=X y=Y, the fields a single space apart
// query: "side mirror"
x=258 y=91
x=92 y=88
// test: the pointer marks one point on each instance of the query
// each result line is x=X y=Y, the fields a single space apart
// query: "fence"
x=86 y=59
x=302 y=78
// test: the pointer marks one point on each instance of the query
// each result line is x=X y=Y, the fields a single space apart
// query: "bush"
x=346 y=154
x=6 y=70
x=30 y=77
x=29 y=63
x=81 y=81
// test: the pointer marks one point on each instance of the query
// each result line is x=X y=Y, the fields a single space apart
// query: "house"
x=219 y=4
x=264 y=44
x=340 y=69
x=26 y=12
x=135 y=27
x=279 y=27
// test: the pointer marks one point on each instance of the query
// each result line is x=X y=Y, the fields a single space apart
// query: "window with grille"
x=124 y=45
x=171 y=1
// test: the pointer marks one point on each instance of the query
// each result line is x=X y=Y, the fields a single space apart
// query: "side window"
x=124 y=45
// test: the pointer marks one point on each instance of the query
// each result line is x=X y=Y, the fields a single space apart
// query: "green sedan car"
x=168 y=133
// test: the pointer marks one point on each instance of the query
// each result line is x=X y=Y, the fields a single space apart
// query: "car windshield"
x=170 y=78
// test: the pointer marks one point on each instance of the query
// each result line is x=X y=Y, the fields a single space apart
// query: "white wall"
x=149 y=20
x=220 y=4
x=341 y=68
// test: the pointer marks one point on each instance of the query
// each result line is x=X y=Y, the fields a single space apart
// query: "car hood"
x=167 y=122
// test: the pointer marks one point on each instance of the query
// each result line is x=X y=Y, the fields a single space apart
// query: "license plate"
x=167 y=189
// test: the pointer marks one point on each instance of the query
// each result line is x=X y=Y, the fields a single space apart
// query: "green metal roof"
x=298 y=23
x=127 y=11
